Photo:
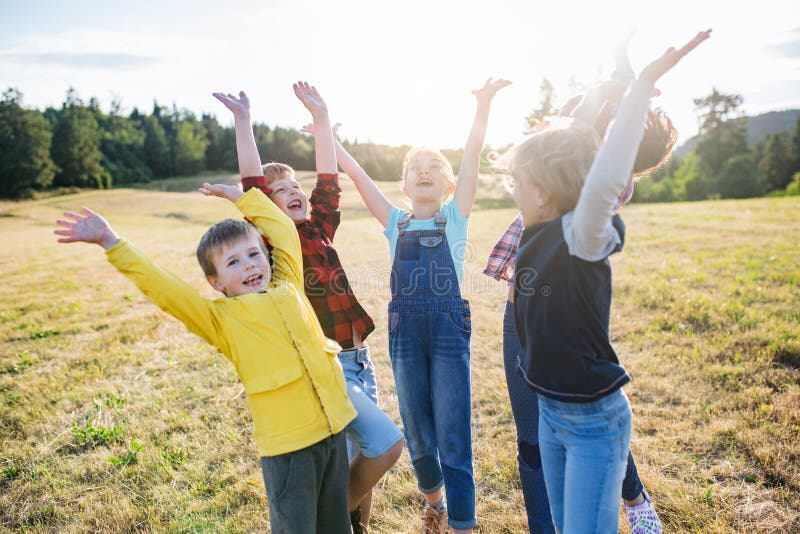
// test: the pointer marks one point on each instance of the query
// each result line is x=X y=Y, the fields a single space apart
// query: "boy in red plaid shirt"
x=374 y=441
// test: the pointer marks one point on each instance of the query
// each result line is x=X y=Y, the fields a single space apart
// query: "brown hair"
x=224 y=232
x=659 y=138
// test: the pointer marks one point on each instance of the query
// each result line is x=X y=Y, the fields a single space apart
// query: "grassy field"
x=113 y=418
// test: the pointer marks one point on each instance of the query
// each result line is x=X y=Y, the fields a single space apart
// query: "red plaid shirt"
x=503 y=256
x=326 y=284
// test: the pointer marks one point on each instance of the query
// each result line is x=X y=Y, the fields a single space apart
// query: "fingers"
x=691 y=45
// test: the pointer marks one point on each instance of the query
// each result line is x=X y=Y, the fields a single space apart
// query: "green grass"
x=113 y=418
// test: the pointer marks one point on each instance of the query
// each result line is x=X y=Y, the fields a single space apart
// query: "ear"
x=451 y=186
x=404 y=188
x=215 y=283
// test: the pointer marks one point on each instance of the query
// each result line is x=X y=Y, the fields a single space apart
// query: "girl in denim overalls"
x=429 y=322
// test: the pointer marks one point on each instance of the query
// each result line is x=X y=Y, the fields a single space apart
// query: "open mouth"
x=254 y=281
x=424 y=181
x=294 y=204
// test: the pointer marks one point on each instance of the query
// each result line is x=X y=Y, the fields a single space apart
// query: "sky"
x=391 y=72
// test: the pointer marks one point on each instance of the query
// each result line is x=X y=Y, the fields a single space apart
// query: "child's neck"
x=424 y=209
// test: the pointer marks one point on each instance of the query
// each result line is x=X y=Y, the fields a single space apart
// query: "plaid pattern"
x=503 y=255
x=326 y=284
x=500 y=265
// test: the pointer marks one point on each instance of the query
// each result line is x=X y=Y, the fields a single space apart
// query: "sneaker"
x=433 y=522
x=643 y=518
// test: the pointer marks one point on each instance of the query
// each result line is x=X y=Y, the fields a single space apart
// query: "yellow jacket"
x=294 y=382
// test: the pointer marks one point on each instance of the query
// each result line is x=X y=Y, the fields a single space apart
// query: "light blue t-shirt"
x=455 y=231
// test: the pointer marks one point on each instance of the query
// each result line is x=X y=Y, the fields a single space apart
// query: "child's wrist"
x=321 y=117
x=109 y=240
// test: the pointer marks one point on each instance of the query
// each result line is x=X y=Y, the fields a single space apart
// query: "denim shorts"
x=372 y=432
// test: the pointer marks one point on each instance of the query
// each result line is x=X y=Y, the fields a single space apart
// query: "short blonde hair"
x=556 y=160
x=415 y=152
x=275 y=171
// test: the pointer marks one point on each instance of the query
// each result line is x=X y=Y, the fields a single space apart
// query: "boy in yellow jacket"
x=267 y=328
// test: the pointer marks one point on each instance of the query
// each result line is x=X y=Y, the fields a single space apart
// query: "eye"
x=255 y=254
x=232 y=263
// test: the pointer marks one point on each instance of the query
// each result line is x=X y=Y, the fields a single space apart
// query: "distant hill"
x=758 y=127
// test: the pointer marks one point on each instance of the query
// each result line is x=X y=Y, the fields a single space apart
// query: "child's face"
x=242 y=267
x=427 y=178
x=529 y=199
x=290 y=198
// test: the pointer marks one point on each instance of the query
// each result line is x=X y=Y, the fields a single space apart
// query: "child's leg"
x=554 y=460
x=374 y=441
x=408 y=349
x=632 y=486
x=332 y=513
x=525 y=407
x=450 y=388
x=596 y=437
x=307 y=489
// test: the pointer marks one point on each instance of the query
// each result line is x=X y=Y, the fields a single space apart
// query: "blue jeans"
x=429 y=349
x=525 y=407
x=584 y=449
x=372 y=432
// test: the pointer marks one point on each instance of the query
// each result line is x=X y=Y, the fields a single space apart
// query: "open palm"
x=670 y=58
x=490 y=88
x=236 y=105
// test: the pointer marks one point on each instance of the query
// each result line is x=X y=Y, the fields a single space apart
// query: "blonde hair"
x=556 y=160
x=275 y=171
x=223 y=233
x=415 y=152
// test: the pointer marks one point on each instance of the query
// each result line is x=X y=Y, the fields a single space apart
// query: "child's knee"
x=529 y=453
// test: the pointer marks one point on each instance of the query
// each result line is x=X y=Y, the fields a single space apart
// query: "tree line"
x=80 y=145
x=722 y=165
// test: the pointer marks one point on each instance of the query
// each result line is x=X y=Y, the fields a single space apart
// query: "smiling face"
x=428 y=177
x=241 y=267
x=289 y=197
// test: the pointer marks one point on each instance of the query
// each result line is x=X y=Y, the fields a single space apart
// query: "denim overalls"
x=429 y=333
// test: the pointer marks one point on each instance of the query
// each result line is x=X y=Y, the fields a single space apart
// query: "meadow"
x=114 y=419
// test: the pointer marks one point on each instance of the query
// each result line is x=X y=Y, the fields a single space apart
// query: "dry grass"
x=113 y=418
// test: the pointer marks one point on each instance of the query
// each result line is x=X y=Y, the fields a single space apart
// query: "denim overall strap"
x=423 y=268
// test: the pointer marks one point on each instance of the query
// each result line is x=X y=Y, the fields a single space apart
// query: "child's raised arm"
x=246 y=149
x=324 y=151
x=608 y=176
x=467 y=185
x=373 y=197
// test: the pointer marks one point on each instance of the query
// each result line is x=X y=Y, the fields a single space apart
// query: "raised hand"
x=238 y=106
x=311 y=129
x=87 y=227
x=489 y=89
x=309 y=96
x=230 y=192
x=670 y=58
x=622 y=64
